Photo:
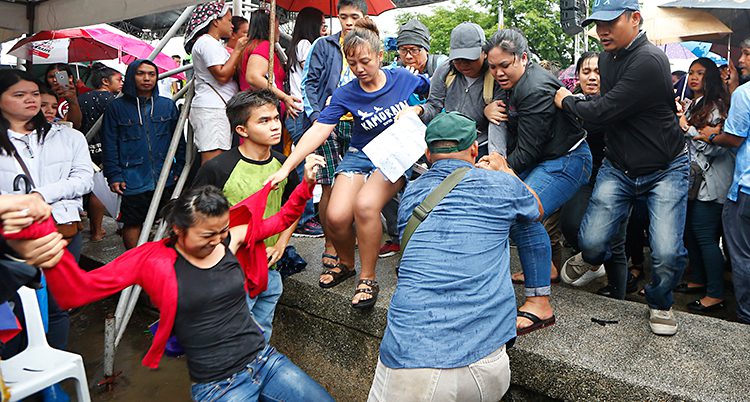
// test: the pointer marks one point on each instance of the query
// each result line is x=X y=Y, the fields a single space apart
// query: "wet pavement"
x=170 y=382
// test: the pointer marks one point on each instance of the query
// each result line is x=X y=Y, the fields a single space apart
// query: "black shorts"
x=134 y=208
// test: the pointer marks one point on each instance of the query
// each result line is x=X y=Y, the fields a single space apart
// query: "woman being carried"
x=359 y=191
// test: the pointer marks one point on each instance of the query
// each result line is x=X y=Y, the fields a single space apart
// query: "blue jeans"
x=271 y=376
x=602 y=231
x=75 y=245
x=736 y=219
x=296 y=128
x=702 y=240
x=264 y=305
x=555 y=182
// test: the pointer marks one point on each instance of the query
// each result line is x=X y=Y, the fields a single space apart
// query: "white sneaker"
x=577 y=272
x=662 y=322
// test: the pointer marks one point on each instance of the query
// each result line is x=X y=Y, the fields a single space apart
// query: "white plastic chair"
x=39 y=365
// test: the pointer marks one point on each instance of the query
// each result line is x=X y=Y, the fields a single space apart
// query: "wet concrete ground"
x=171 y=382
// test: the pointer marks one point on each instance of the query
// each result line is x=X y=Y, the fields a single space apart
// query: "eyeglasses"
x=412 y=51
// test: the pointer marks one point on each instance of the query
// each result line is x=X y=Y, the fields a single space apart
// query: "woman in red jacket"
x=199 y=278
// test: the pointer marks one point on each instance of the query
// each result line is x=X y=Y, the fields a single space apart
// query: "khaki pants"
x=486 y=380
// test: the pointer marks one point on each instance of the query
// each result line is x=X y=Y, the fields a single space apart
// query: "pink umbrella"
x=87 y=44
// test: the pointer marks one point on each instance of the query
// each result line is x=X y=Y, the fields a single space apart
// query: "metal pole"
x=109 y=347
x=98 y=124
x=122 y=303
x=585 y=32
x=500 y=16
x=172 y=31
x=272 y=43
x=237 y=7
x=177 y=70
x=31 y=16
x=124 y=316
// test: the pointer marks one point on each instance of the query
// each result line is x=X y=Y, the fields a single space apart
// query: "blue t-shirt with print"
x=373 y=111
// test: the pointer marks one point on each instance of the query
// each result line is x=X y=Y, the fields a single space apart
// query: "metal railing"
x=117 y=324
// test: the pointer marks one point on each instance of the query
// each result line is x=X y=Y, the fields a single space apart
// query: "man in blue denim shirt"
x=454 y=308
x=136 y=133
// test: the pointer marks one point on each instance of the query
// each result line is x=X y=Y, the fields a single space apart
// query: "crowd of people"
x=621 y=161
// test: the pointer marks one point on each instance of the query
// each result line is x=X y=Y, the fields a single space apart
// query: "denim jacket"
x=136 y=134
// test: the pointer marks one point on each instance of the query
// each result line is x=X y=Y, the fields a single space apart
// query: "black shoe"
x=607 y=291
x=684 y=288
x=698 y=307
x=633 y=282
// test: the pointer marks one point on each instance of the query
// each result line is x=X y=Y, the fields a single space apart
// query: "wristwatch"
x=711 y=138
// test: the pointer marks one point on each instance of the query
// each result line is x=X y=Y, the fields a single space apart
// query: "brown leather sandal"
x=344 y=273
x=372 y=289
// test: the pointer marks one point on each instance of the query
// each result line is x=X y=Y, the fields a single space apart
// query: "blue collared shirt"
x=454 y=302
x=738 y=123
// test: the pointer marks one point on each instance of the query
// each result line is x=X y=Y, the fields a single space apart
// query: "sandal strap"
x=369 y=282
x=343 y=268
x=331 y=256
x=368 y=291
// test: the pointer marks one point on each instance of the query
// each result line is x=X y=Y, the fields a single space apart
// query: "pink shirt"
x=278 y=69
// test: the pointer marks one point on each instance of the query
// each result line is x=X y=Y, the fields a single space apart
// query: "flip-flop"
x=536 y=322
x=329 y=256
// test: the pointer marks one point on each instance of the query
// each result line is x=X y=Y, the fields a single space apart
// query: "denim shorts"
x=355 y=162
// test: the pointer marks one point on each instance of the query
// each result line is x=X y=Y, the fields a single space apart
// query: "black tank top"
x=213 y=321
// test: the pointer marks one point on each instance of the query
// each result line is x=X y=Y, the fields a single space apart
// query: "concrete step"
x=576 y=359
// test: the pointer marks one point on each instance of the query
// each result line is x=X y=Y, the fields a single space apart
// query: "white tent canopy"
x=16 y=16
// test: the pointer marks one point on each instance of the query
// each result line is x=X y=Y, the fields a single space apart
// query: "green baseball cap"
x=451 y=126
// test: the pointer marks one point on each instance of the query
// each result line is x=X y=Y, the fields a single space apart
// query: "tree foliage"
x=443 y=19
x=539 y=20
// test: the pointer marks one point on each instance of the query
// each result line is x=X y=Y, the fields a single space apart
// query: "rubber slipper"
x=536 y=322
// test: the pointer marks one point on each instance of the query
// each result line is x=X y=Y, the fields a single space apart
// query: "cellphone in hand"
x=62 y=78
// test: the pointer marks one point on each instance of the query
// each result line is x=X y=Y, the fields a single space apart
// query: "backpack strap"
x=449 y=79
x=488 y=85
x=422 y=210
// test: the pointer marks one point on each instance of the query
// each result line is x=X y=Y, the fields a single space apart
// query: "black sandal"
x=536 y=322
x=373 y=290
x=332 y=257
x=344 y=273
